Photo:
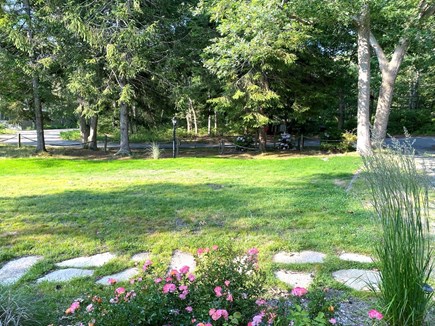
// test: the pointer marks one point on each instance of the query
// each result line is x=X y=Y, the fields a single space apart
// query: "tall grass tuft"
x=399 y=195
x=14 y=308
x=155 y=151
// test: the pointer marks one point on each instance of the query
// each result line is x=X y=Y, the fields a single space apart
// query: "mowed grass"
x=62 y=209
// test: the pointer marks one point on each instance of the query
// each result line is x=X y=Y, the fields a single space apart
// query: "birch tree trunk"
x=389 y=71
x=363 y=117
x=39 y=123
x=93 y=132
x=195 y=122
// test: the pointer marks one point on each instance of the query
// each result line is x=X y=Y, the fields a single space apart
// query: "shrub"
x=346 y=144
x=400 y=198
x=224 y=291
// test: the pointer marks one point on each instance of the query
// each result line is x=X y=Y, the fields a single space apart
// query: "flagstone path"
x=67 y=270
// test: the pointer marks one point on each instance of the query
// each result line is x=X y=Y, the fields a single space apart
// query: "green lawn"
x=62 y=209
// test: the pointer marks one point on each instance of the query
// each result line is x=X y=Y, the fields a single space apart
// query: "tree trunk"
x=195 y=123
x=389 y=72
x=262 y=139
x=188 y=125
x=209 y=124
x=215 y=121
x=39 y=122
x=124 y=148
x=84 y=131
x=93 y=133
x=363 y=129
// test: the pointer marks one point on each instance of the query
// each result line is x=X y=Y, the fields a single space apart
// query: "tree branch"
x=383 y=61
x=425 y=10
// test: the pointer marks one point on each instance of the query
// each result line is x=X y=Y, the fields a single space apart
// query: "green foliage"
x=226 y=281
x=15 y=308
x=399 y=194
x=346 y=144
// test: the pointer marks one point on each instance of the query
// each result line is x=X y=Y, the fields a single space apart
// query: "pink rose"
x=119 y=291
x=111 y=281
x=253 y=251
x=218 y=291
x=169 y=287
x=374 y=314
x=333 y=321
x=299 y=292
x=229 y=297
x=157 y=280
x=227 y=283
x=191 y=277
x=215 y=247
x=189 y=309
x=90 y=307
x=184 y=269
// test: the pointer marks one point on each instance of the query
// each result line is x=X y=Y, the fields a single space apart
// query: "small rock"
x=299 y=257
x=141 y=257
x=65 y=275
x=357 y=279
x=123 y=276
x=180 y=259
x=356 y=257
x=15 y=269
x=91 y=261
x=295 y=279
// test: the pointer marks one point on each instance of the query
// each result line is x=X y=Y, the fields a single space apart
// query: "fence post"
x=105 y=143
x=19 y=140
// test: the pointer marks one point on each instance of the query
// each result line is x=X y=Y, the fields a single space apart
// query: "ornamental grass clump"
x=399 y=195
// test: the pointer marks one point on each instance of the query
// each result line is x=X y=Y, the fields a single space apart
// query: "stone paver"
x=347 y=256
x=65 y=275
x=123 y=276
x=15 y=269
x=180 y=259
x=90 y=261
x=357 y=279
x=299 y=257
x=295 y=278
x=141 y=257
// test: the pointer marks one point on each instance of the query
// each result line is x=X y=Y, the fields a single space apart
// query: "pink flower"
x=253 y=251
x=200 y=251
x=132 y=281
x=184 y=269
x=218 y=291
x=182 y=296
x=111 y=281
x=182 y=287
x=74 y=306
x=189 y=309
x=227 y=283
x=157 y=280
x=299 y=292
x=90 y=307
x=260 y=302
x=211 y=311
x=119 y=291
x=229 y=297
x=169 y=287
x=191 y=277
x=215 y=247
x=175 y=273
x=147 y=263
x=374 y=314
x=333 y=321
x=256 y=321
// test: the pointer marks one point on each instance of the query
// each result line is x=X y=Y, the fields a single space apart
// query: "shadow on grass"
x=310 y=213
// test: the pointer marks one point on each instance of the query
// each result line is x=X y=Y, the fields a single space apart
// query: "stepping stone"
x=15 y=269
x=141 y=257
x=180 y=259
x=299 y=257
x=65 y=275
x=123 y=276
x=91 y=261
x=295 y=279
x=347 y=256
x=357 y=279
